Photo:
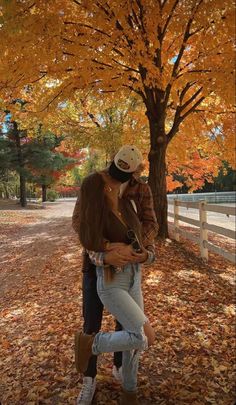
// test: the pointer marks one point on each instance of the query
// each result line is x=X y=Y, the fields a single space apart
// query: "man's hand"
x=132 y=256
x=120 y=254
x=140 y=257
x=123 y=249
x=116 y=258
x=115 y=246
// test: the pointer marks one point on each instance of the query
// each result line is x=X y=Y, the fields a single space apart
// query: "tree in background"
x=176 y=55
x=13 y=154
x=224 y=181
x=199 y=162
x=9 y=182
x=45 y=163
x=36 y=160
x=109 y=125
x=105 y=126
x=101 y=124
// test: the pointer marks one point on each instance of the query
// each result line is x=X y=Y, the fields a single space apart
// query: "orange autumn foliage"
x=177 y=56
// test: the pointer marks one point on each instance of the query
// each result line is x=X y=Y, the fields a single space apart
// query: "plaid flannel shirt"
x=96 y=258
x=140 y=192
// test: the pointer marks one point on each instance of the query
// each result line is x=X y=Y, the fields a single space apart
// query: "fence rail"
x=213 y=197
x=203 y=226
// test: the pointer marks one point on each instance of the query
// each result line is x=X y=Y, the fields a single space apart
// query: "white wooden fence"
x=213 y=197
x=203 y=226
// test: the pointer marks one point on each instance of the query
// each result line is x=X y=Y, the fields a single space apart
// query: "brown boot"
x=83 y=350
x=129 y=398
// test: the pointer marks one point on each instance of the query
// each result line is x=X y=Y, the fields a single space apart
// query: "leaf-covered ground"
x=189 y=303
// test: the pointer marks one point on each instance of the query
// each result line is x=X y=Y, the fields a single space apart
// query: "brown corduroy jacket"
x=140 y=192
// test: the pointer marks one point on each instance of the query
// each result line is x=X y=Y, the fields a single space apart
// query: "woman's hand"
x=117 y=258
x=140 y=257
x=120 y=254
x=114 y=246
x=131 y=255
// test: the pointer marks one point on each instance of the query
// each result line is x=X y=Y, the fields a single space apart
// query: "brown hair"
x=93 y=209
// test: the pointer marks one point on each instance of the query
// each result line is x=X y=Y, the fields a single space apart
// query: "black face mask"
x=118 y=174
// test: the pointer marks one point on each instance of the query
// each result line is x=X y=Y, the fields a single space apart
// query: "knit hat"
x=125 y=162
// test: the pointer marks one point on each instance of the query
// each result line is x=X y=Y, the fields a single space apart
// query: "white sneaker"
x=87 y=391
x=117 y=373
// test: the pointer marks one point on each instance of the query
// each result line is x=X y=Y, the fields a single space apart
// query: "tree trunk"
x=23 y=200
x=16 y=133
x=6 y=192
x=44 y=193
x=157 y=176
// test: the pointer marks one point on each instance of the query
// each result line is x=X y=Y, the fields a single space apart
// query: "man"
x=139 y=192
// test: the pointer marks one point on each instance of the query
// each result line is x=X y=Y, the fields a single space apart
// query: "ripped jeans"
x=122 y=297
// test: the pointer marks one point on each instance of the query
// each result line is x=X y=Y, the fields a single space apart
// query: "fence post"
x=176 y=221
x=203 y=232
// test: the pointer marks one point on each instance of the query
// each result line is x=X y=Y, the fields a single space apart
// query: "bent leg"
x=118 y=355
x=123 y=298
x=116 y=298
x=92 y=313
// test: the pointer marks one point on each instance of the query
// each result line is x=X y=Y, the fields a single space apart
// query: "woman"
x=106 y=217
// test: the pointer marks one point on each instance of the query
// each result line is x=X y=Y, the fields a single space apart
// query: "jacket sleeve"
x=96 y=258
x=147 y=215
x=75 y=217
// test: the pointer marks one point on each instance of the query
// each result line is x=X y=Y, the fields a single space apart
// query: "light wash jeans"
x=122 y=297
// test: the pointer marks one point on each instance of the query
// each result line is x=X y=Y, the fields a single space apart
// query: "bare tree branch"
x=40 y=78
x=55 y=97
x=140 y=6
x=76 y=2
x=67 y=40
x=128 y=68
x=87 y=26
x=185 y=39
x=90 y=115
x=68 y=53
x=162 y=3
x=216 y=112
x=193 y=108
x=191 y=99
x=101 y=63
x=178 y=119
x=169 y=18
x=185 y=89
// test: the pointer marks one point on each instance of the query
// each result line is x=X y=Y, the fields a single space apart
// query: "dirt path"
x=189 y=304
x=31 y=237
x=40 y=295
